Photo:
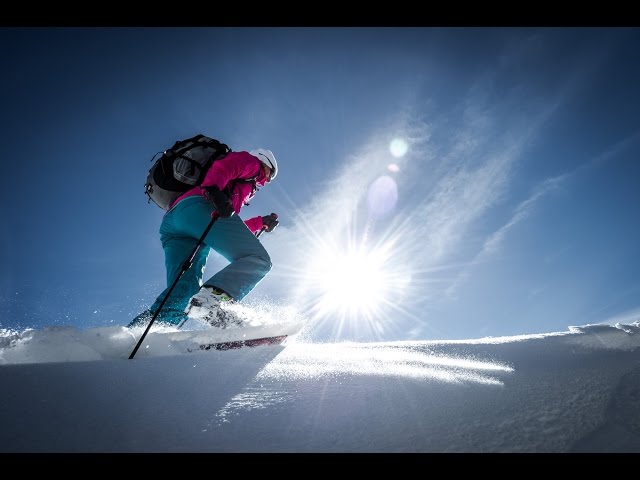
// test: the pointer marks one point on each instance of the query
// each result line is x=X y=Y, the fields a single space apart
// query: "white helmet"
x=266 y=157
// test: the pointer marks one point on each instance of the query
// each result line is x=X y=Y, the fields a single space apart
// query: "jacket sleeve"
x=254 y=224
x=235 y=165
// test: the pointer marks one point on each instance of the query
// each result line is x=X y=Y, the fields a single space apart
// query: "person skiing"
x=228 y=185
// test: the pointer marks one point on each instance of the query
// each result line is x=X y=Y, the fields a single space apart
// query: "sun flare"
x=351 y=282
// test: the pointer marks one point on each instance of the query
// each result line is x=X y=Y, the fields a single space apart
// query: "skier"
x=228 y=185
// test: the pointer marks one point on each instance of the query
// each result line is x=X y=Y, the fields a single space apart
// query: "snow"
x=71 y=390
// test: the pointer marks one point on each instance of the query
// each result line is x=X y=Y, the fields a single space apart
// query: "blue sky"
x=508 y=204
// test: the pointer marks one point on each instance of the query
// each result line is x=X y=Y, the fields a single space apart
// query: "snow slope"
x=67 y=390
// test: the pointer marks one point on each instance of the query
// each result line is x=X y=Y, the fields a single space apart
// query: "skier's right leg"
x=177 y=248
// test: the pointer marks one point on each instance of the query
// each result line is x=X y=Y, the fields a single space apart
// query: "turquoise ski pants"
x=181 y=228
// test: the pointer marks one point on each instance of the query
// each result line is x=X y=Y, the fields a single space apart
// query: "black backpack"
x=181 y=168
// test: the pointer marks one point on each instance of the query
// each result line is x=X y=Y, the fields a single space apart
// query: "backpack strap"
x=181 y=147
x=232 y=185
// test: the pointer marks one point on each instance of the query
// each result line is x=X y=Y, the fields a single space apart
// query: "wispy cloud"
x=610 y=153
x=494 y=241
x=459 y=167
x=522 y=211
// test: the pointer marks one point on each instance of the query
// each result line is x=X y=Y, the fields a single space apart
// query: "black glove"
x=270 y=222
x=220 y=201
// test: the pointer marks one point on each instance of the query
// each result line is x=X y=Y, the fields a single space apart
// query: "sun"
x=351 y=282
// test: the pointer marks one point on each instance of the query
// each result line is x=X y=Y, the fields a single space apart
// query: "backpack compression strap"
x=183 y=146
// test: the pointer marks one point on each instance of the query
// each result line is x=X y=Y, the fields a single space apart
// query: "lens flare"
x=398 y=147
x=382 y=196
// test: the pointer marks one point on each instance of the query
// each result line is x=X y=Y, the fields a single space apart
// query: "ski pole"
x=185 y=266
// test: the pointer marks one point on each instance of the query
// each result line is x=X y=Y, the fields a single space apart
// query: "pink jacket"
x=236 y=165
